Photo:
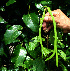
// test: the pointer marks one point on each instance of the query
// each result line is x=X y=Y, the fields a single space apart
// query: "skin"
x=62 y=21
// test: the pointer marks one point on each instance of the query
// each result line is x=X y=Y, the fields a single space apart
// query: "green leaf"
x=62 y=54
x=10 y=2
x=4 y=69
x=39 y=6
x=42 y=3
x=2 y=9
x=2 y=20
x=31 y=21
x=28 y=63
x=38 y=64
x=34 y=53
x=1 y=51
x=51 y=36
x=8 y=26
x=63 y=67
x=12 y=33
x=46 y=2
x=68 y=52
x=33 y=48
x=59 y=39
x=19 y=55
x=46 y=51
x=61 y=44
x=68 y=34
x=34 y=43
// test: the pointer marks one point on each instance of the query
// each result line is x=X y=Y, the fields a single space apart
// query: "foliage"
x=20 y=42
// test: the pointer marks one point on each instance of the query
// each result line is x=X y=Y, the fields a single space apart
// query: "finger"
x=44 y=28
x=54 y=13
x=47 y=14
x=49 y=19
x=49 y=27
x=44 y=24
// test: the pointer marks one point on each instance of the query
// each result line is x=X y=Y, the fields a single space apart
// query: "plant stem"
x=55 y=35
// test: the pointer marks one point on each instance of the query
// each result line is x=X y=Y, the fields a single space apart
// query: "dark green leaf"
x=12 y=33
x=68 y=52
x=67 y=2
x=19 y=55
x=63 y=67
x=38 y=64
x=1 y=51
x=31 y=21
x=59 y=39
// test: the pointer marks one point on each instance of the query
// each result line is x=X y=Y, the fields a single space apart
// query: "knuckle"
x=58 y=10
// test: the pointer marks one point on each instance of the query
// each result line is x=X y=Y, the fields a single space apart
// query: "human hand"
x=62 y=21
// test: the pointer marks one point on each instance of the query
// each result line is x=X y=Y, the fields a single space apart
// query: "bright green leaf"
x=28 y=63
x=46 y=51
x=39 y=6
x=46 y=2
x=10 y=2
x=4 y=69
x=2 y=20
x=31 y=21
x=33 y=53
x=69 y=34
x=62 y=54
x=2 y=9
x=19 y=55
x=34 y=43
x=42 y=3
x=61 y=44
x=12 y=33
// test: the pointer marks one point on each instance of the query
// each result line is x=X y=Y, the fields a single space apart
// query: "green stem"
x=55 y=35
x=41 y=21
